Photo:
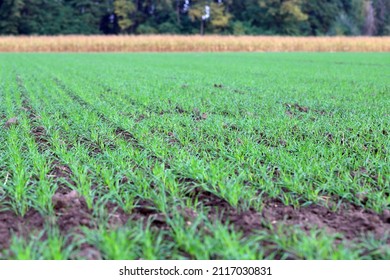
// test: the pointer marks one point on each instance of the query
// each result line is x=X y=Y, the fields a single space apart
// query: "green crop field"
x=195 y=156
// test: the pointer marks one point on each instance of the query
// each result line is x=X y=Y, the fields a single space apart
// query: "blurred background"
x=223 y=17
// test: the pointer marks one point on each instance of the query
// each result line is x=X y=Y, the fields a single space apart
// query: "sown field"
x=195 y=156
x=175 y=43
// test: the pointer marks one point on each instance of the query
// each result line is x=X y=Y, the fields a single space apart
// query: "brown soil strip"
x=350 y=220
x=11 y=224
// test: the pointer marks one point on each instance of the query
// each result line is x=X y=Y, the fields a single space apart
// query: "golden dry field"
x=171 y=43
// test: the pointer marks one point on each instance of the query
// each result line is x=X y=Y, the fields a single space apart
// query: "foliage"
x=288 y=17
x=10 y=15
x=282 y=16
x=125 y=10
x=320 y=16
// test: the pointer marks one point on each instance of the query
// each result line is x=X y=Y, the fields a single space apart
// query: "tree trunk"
x=369 y=24
x=178 y=12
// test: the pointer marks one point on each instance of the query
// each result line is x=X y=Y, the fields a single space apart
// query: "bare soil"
x=350 y=220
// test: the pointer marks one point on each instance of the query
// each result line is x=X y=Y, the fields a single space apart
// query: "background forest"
x=237 y=17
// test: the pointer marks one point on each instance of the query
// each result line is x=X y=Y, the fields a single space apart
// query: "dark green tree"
x=35 y=18
x=85 y=15
x=320 y=16
x=350 y=18
x=10 y=16
x=282 y=16
x=382 y=17
x=285 y=17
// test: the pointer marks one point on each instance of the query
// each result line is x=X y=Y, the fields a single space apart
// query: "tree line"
x=237 y=17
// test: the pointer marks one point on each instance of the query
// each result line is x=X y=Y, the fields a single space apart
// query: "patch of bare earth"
x=350 y=220
x=11 y=224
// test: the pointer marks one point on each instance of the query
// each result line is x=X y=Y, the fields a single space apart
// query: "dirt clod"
x=124 y=180
x=386 y=216
x=66 y=200
x=11 y=122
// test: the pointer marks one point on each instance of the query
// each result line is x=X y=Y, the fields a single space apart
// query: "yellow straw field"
x=171 y=43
